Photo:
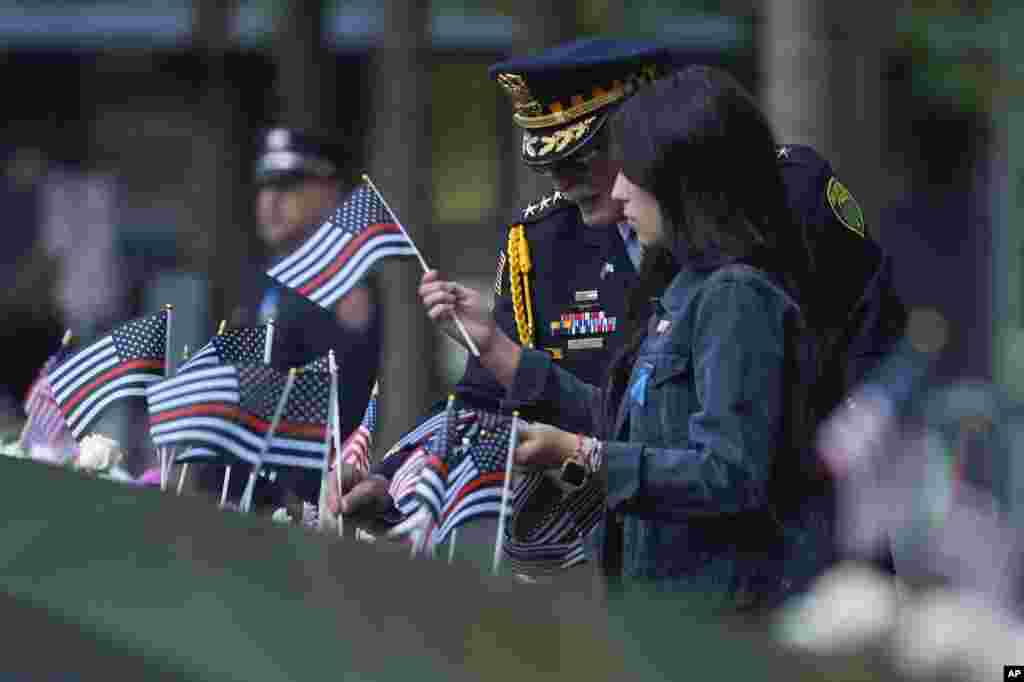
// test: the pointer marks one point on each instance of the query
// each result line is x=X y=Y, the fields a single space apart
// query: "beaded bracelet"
x=579 y=455
x=594 y=456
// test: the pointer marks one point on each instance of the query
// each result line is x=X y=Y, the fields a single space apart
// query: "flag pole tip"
x=365 y=177
x=168 y=306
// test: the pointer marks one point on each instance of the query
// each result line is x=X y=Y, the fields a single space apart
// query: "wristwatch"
x=574 y=473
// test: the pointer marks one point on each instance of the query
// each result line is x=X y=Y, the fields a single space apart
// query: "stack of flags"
x=549 y=542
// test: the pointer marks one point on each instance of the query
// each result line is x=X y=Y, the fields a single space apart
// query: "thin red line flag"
x=335 y=257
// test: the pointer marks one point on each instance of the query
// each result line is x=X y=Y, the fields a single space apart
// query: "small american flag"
x=229 y=408
x=403 y=484
x=433 y=480
x=333 y=260
x=241 y=345
x=119 y=365
x=356 y=450
x=46 y=426
x=462 y=479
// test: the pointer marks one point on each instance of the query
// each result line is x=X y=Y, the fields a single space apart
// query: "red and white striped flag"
x=46 y=426
x=356 y=450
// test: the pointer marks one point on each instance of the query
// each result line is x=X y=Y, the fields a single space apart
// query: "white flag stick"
x=451 y=545
x=168 y=367
x=458 y=323
x=265 y=446
x=167 y=452
x=269 y=341
x=182 y=477
x=326 y=463
x=162 y=452
x=334 y=427
x=224 y=486
x=499 y=541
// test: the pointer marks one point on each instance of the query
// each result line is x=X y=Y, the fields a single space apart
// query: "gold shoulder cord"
x=519 y=267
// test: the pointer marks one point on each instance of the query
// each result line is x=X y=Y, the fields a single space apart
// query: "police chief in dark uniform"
x=298 y=175
x=569 y=260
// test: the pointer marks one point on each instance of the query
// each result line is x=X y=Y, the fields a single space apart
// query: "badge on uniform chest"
x=663 y=326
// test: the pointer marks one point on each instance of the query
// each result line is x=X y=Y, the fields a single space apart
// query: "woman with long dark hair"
x=698 y=431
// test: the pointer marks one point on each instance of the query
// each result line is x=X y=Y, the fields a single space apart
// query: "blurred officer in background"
x=298 y=175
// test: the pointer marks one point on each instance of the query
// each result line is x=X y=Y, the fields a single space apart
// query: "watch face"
x=574 y=473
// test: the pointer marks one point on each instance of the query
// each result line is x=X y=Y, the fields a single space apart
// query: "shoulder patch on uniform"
x=500 y=273
x=845 y=207
x=544 y=207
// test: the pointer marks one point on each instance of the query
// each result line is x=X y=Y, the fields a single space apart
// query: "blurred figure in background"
x=29 y=274
x=299 y=182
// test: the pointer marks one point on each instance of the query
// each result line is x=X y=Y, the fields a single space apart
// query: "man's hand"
x=368 y=497
x=442 y=300
x=360 y=493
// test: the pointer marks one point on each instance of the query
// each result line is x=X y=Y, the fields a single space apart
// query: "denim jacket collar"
x=694 y=270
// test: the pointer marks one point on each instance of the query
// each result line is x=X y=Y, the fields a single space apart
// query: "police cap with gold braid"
x=561 y=98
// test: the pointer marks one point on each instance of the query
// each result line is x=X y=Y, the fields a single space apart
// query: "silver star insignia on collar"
x=530 y=210
x=545 y=202
x=783 y=153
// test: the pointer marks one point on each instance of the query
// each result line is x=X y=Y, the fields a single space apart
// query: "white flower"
x=281 y=515
x=364 y=536
x=849 y=607
x=98 y=453
x=12 y=449
x=956 y=633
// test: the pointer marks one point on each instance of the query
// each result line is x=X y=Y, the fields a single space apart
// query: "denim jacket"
x=691 y=454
